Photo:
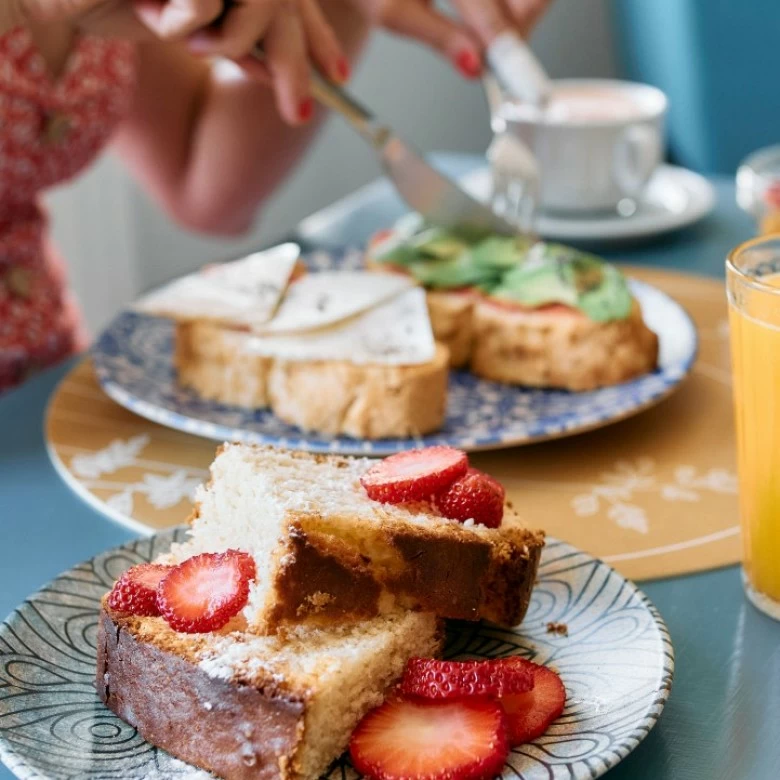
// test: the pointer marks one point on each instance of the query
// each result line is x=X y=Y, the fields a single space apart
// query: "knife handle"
x=335 y=98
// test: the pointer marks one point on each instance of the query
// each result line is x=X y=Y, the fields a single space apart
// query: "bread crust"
x=259 y=721
x=246 y=734
x=329 y=397
x=209 y=359
x=559 y=348
x=451 y=313
x=441 y=569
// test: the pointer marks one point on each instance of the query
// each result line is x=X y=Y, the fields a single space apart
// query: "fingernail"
x=342 y=69
x=468 y=63
x=305 y=110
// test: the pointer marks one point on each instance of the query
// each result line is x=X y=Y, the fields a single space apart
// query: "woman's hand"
x=463 y=41
x=291 y=31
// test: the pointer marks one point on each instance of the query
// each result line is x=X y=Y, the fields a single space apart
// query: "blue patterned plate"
x=616 y=663
x=133 y=360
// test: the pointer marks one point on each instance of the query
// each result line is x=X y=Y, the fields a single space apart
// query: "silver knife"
x=435 y=197
x=438 y=199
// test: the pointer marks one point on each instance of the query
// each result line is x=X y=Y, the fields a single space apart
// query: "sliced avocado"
x=611 y=300
x=452 y=273
x=438 y=243
x=396 y=252
x=536 y=286
x=586 y=273
x=557 y=274
x=500 y=252
x=513 y=268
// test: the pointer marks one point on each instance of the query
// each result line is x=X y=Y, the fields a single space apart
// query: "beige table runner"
x=654 y=495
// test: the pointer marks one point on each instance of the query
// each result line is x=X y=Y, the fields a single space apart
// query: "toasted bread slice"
x=244 y=706
x=452 y=321
x=554 y=346
x=559 y=347
x=450 y=312
x=332 y=397
x=211 y=360
x=364 y=401
x=327 y=553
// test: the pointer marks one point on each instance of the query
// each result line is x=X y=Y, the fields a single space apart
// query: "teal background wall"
x=719 y=62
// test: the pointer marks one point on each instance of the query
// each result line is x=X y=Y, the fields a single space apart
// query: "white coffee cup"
x=597 y=141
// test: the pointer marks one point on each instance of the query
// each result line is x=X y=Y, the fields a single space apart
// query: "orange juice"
x=754 y=315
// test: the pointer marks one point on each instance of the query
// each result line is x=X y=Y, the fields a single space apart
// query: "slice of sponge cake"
x=246 y=706
x=327 y=553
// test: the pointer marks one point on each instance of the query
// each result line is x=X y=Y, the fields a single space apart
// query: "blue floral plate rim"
x=133 y=362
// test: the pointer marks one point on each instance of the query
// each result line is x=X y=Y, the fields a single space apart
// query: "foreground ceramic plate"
x=133 y=361
x=616 y=663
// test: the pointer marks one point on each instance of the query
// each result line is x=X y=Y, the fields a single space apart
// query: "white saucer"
x=675 y=198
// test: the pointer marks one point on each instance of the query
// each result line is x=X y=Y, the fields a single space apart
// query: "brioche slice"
x=367 y=401
x=244 y=706
x=559 y=346
x=331 y=554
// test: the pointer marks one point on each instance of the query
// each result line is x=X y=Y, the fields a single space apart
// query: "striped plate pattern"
x=616 y=662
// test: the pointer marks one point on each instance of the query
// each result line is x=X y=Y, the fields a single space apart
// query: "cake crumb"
x=316 y=602
x=558 y=628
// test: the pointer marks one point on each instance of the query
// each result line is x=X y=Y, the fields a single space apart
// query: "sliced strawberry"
x=415 y=475
x=135 y=592
x=475 y=496
x=247 y=564
x=530 y=714
x=407 y=739
x=204 y=592
x=492 y=481
x=432 y=679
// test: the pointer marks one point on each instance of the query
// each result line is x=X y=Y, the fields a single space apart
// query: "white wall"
x=118 y=244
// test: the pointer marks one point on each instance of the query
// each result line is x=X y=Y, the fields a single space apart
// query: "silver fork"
x=514 y=170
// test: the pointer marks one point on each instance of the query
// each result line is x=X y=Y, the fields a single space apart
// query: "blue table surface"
x=722 y=720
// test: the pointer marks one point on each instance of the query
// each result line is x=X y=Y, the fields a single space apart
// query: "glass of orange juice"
x=753 y=283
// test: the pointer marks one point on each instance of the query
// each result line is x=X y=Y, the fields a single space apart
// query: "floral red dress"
x=50 y=130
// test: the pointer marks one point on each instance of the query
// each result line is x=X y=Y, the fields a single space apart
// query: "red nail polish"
x=468 y=64
x=305 y=110
x=342 y=68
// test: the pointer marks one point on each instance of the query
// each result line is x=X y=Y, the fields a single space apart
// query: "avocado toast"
x=522 y=312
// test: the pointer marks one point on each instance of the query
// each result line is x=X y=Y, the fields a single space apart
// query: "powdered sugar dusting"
x=304 y=654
